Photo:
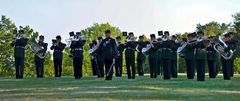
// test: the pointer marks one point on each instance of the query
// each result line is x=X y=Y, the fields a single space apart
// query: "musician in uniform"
x=153 y=56
x=200 y=56
x=119 y=59
x=100 y=60
x=94 y=58
x=19 y=53
x=233 y=44
x=39 y=62
x=173 y=58
x=130 y=56
x=189 y=56
x=226 y=63
x=109 y=48
x=77 y=53
x=140 y=56
x=159 y=60
x=166 y=56
x=58 y=48
x=211 y=58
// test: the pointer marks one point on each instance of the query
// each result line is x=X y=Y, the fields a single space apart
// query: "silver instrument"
x=145 y=49
x=73 y=37
x=220 y=49
x=130 y=38
x=94 y=48
x=148 y=47
x=165 y=38
x=35 y=47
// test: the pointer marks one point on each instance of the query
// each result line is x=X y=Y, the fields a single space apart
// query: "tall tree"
x=236 y=26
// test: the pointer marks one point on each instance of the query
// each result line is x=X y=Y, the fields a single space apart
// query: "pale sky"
x=58 y=17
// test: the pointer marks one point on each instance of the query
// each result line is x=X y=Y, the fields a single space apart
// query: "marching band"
x=162 y=53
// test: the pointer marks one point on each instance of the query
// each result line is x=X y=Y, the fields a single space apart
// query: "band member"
x=58 y=47
x=159 y=62
x=153 y=56
x=118 y=66
x=109 y=48
x=233 y=44
x=166 y=56
x=174 y=68
x=200 y=56
x=19 y=52
x=100 y=60
x=140 y=56
x=189 y=56
x=130 y=56
x=94 y=58
x=211 y=58
x=226 y=63
x=39 y=62
x=77 y=53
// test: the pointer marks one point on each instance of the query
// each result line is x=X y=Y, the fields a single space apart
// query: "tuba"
x=220 y=49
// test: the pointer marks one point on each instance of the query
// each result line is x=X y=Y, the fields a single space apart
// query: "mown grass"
x=142 y=88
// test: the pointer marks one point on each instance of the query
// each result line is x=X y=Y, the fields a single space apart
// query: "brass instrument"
x=94 y=48
x=74 y=37
x=149 y=46
x=220 y=49
x=36 y=48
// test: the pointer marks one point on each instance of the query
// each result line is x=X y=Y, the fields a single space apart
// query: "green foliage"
x=6 y=51
x=213 y=28
x=92 y=33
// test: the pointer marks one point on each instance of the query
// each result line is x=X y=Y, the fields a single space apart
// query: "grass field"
x=142 y=88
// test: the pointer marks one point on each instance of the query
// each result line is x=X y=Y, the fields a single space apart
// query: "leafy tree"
x=6 y=51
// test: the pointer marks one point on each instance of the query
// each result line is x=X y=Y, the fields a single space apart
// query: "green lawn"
x=142 y=88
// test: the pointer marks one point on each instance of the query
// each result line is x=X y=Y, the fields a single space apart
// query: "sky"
x=59 y=17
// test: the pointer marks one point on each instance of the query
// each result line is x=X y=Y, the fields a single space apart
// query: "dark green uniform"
x=159 y=62
x=152 y=58
x=40 y=62
x=211 y=58
x=19 y=54
x=130 y=59
x=109 y=48
x=100 y=63
x=189 y=59
x=94 y=59
x=200 y=56
x=227 y=63
x=233 y=44
x=140 y=58
x=118 y=66
x=173 y=58
x=166 y=58
x=77 y=52
x=57 y=58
